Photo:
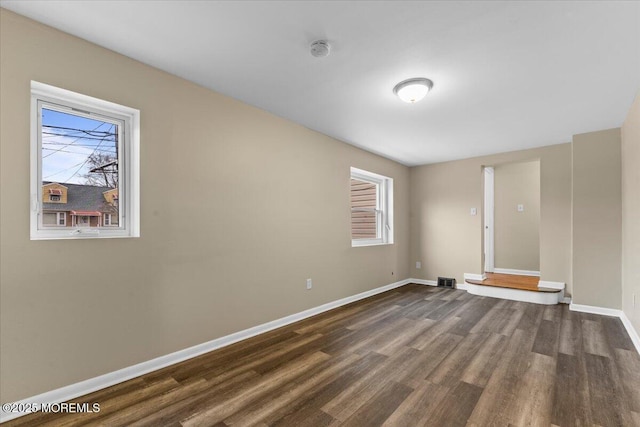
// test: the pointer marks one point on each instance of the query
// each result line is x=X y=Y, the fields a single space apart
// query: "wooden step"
x=513 y=287
x=512 y=281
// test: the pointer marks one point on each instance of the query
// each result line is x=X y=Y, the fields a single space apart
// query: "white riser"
x=546 y=298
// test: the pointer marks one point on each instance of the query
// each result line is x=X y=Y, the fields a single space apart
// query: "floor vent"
x=446 y=282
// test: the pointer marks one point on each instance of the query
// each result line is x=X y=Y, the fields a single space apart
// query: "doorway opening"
x=511 y=222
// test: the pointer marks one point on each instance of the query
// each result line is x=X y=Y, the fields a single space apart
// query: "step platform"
x=512 y=287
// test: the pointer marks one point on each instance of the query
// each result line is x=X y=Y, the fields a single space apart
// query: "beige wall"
x=631 y=214
x=517 y=233
x=597 y=218
x=230 y=229
x=448 y=240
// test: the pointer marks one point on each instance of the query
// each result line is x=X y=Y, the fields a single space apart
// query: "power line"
x=89 y=132
x=77 y=137
x=64 y=170
x=76 y=152
x=85 y=162
x=75 y=140
x=65 y=145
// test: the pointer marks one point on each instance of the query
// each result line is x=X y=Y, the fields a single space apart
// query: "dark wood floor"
x=418 y=355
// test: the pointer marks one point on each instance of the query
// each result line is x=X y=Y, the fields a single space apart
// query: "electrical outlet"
x=309 y=284
x=520 y=208
x=473 y=212
x=418 y=265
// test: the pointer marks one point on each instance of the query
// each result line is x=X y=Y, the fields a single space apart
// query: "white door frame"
x=489 y=261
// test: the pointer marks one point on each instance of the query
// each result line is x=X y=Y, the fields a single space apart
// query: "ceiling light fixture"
x=413 y=90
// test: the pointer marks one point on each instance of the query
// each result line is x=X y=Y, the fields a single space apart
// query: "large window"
x=371 y=208
x=84 y=166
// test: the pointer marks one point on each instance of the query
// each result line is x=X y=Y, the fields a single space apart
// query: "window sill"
x=357 y=244
x=82 y=233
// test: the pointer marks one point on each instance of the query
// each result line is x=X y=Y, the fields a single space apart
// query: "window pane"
x=79 y=160
x=363 y=225
x=49 y=219
x=364 y=202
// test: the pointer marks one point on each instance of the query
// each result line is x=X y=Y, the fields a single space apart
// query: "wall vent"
x=446 y=282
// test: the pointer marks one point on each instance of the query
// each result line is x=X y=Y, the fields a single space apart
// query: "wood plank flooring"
x=414 y=356
x=512 y=281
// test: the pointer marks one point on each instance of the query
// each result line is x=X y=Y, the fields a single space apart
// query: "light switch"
x=520 y=208
x=474 y=211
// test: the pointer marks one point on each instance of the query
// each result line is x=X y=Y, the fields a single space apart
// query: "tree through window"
x=85 y=168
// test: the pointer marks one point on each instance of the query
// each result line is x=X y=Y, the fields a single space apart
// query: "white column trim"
x=474 y=276
x=489 y=219
x=550 y=285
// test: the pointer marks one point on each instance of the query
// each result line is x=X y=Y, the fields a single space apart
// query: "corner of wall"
x=630 y=177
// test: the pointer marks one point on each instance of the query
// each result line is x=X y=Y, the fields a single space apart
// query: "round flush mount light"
x=320 y=48
x=413 y=90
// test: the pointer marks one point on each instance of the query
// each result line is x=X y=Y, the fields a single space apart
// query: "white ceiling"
x=507 y=75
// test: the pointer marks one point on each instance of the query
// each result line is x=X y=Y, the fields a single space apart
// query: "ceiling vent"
x=320 y=48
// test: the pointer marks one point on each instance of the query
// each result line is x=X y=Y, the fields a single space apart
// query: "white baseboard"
x=473 y=276
x=595 y=310
x=424 y=282
x=550 y=285
x=516 y=272
x=81 y=388
x=633 y=334
x=631 y=330
x=462 y=286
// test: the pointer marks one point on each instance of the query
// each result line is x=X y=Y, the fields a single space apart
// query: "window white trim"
x=384 y=207
x=129 y=197
x=63 y=216
x=489 y=214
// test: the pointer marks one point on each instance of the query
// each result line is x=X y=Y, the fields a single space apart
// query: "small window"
x=84 y=159
x=49 y=219
x=110 y=220
x=54 y=219
x=371 y=208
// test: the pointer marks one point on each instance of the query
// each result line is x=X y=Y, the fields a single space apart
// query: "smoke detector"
x=320 y=48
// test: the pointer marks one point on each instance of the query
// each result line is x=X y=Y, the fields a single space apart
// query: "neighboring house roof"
x=82 y=198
